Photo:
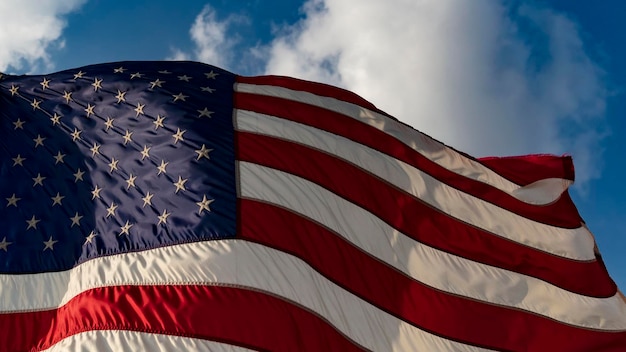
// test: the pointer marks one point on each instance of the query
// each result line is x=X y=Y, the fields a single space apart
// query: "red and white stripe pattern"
x=355 y=232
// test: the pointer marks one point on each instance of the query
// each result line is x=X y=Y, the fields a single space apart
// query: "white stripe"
x=438 y=269
x=439 y=153
x=228 y=262
x=122 y=340
x=575 y=243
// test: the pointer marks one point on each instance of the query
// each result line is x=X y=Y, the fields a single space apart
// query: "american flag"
x=177 y=206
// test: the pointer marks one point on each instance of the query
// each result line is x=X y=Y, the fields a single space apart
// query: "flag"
x=177 y=206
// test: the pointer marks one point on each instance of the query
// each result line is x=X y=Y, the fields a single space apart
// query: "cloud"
x=29 y=29
x=483 y=77
x=486 y=77
x=214 y=42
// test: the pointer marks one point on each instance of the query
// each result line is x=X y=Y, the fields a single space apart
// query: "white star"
x=180 y=184
x=120 y=69
x=18 y=160
x=180 y=96
x=156 y=83
x=139 y=109
x=145 y=153
x=5 y=244
x=13 y=201
x=89 y=238
x=203 y=152
x=113 y=165
x=39 y=141
x=204 y=204
x=211 y=75
x=38 y=180
x=184 y=78
x=49 y=243
x=14 y=89
x=124 y=229
x=163 y=217
x=162 y=167
x=45 y=83
x=158 y=122
x=111 y=210
x=97 y=84
x=68 y=96
x=78 y=176
x=32 y=223
x=57 y=199
x=108 y=124
x=75 y=134
x=147 y=200
x=59 y=158
x=18 y=124
x=121 y=96
x=76 y=220
x=127 y=137
x=56 y=119
x=131 y=181
x=95 y=193
x=95 y=149
x=205 y=112
x=178 y=136
x=207 y=89
x=80 y=74
x=35 y=104
x=136 y=75
x=89 y=109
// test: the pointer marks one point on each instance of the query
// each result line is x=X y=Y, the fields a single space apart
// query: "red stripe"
x=561 y=213
x=446 y=315
x=527 y=169
x=519 y=169
x=420 y=221
x=320 y=89
x=232 y=315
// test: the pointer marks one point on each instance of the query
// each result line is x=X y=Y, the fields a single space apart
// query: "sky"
x=488 y=77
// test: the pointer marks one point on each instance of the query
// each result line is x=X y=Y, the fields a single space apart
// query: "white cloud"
x=29 y=29
x=213 y=43
x=477 y=75
x=481 y=76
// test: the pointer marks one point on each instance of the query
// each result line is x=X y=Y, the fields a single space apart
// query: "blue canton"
x=114 y=158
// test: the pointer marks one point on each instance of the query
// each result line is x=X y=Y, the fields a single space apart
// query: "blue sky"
x=486 y=77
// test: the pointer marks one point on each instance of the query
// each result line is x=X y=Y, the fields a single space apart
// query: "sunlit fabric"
x=175 y=205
